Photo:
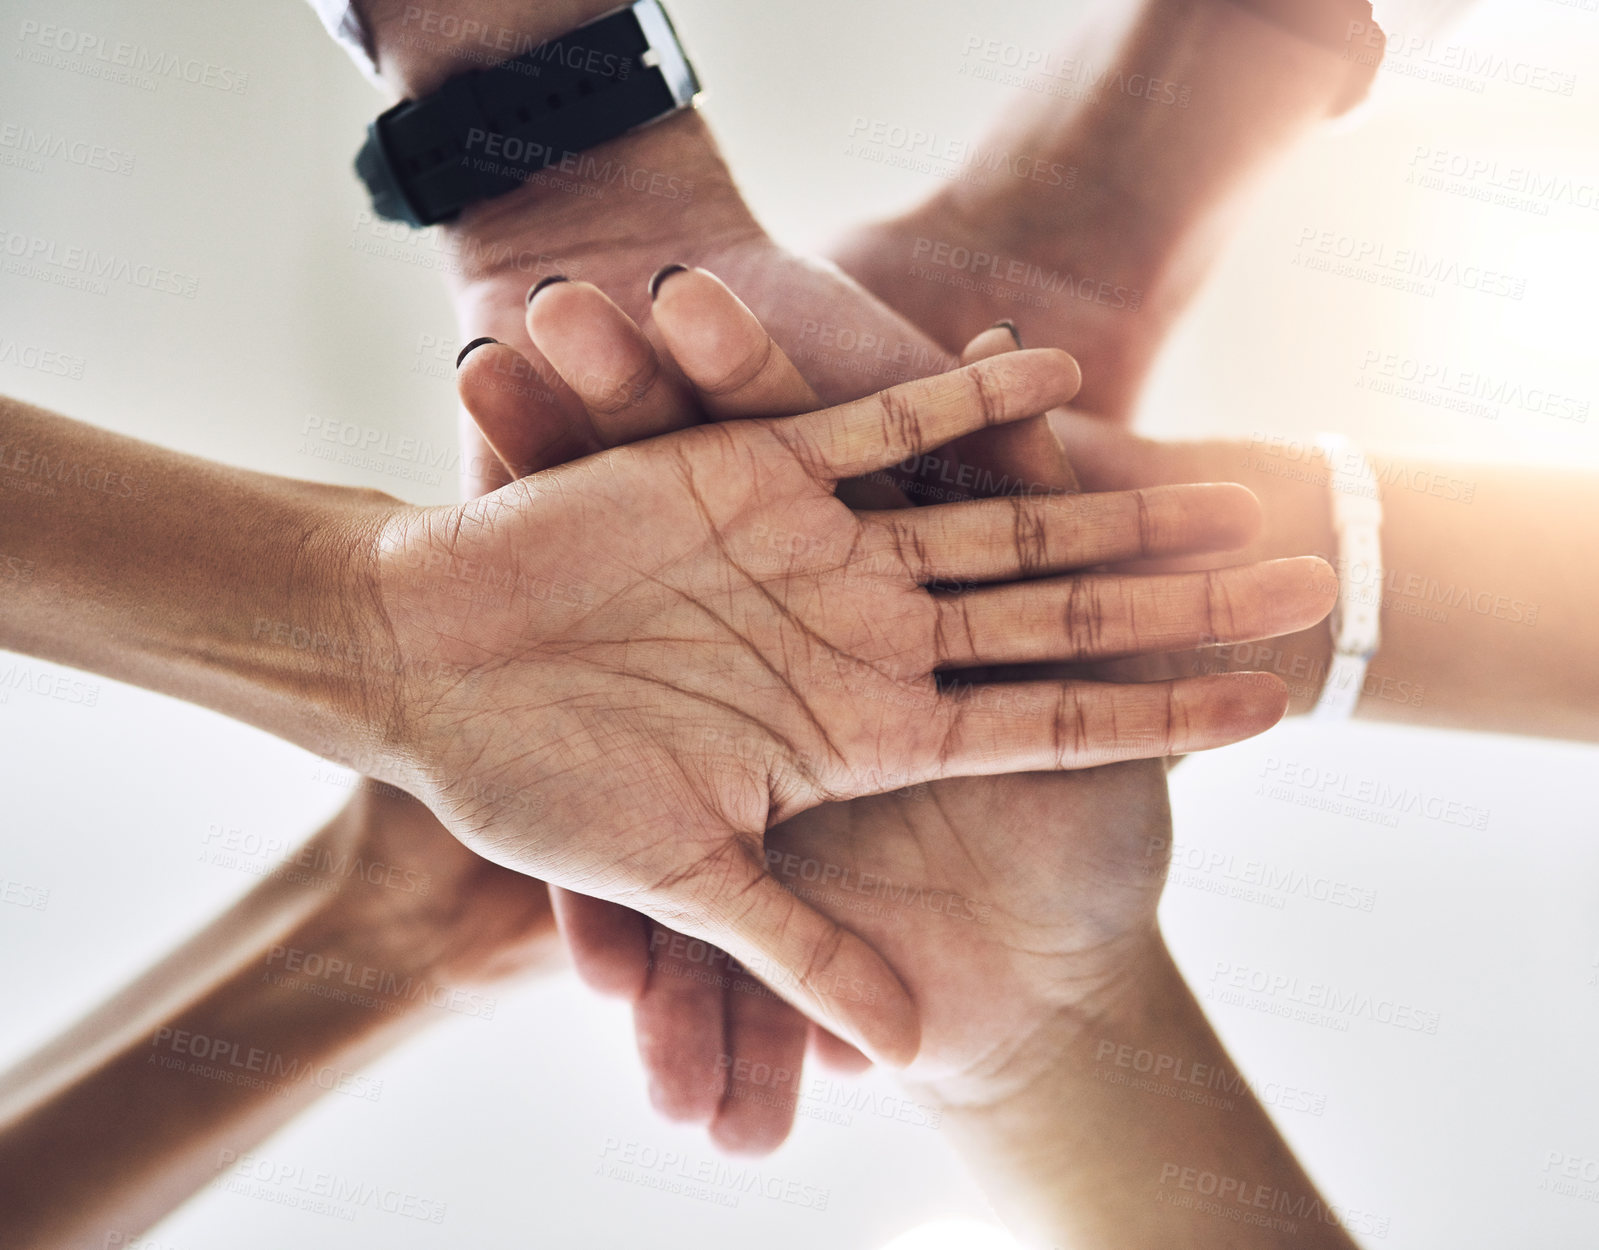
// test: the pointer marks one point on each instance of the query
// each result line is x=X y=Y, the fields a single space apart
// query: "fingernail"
x=1009 y=325
x=544 y=282
x=661 y=275
x=472 y=347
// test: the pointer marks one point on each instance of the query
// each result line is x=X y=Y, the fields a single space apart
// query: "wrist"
x=1039 y=1067
x=662 y=193
x=318 y=652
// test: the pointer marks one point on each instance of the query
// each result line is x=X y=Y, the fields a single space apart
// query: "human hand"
x=610 y=380
x=467 y=921
x=844 y=341
x=1091 y=212
x=1288 y=476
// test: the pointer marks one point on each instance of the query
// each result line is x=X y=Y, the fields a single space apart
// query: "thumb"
x=1028 y=451
x=825 y=970
x=1106 y=456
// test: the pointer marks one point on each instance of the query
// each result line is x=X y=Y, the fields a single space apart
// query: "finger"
x=482 y=470
x=728 y=357
x=1099 y=616
x=607 y=942
x=909 y=420
x=529 y=423
x=1000 y=539
x=999 y=338
x=735 y=367
x=765 y=1059
x=815 y=963
x=608 y=363
x=1042 y=726
x=833 y=1053
x=680 y=1027
x=1107 y=457
x=1020 y=459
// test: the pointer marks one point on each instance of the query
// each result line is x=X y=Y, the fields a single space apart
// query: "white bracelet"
x=1357 y=617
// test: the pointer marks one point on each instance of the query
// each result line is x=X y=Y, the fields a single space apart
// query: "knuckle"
x=989 y=398
x=1030 y=536
x=901 y=431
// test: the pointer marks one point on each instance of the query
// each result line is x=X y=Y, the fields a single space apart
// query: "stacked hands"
x=766 y=710
x=818 y=721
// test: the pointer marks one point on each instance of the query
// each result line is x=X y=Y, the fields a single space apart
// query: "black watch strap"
x=487 y=131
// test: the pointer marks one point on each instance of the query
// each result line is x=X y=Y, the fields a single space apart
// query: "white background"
x=1496 y=930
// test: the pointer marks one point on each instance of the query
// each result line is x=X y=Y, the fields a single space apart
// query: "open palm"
x=776 y=650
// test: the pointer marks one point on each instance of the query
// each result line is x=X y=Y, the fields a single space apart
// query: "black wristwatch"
x=487 y=131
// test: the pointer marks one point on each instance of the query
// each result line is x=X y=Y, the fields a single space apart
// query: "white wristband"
x=1357 y=617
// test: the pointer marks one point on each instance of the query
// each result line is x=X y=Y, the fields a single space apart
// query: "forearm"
x=1182 y=107
x=1487 y=610
x=1093 y=1155
x=187 y=577
x=612 y=215
x=132 y=1111
x=1485 y=623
